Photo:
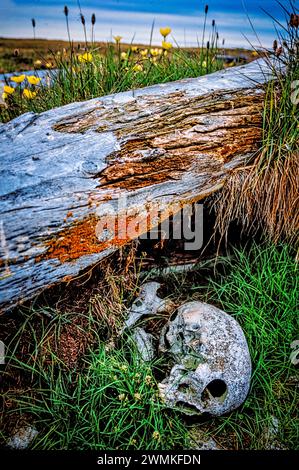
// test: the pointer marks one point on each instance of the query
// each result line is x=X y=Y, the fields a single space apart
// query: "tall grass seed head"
x=18 y=79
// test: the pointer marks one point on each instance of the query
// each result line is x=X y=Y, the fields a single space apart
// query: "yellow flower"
x=124 y=55
x=122 y=397
x=255 y=54
x=29 y=94
x=166 y=45
x=4 y=96
x=33 y=80
x=137 y=68
x=134 y=48
x=133 y=442
x=49 y=65
x=144 y=52
x=117 y=39
x=124 y=367
x=86 y=57
x=154 y=52
x=8 y=89
x=165 y=31
x=137 y=396
x=38 y=63
x=156 y=435
x=18 y=79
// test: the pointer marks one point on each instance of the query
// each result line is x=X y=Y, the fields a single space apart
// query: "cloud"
x=51 y=24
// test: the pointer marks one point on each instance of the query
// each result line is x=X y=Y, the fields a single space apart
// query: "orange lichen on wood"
x=85 y=237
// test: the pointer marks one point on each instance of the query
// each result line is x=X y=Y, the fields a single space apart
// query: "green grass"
x=263 y=196
x=109 y=73
x=260 y=288
x=109 y=402
x=92 y=402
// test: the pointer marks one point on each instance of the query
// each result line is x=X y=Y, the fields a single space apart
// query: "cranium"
x=212 y=363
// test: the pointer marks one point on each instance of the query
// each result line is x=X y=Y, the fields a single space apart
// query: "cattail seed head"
x=275 y=45
x=213 y=23
x=93 y=19
x=206 y=9
x=66 y=10
x=33 y=22
x=82 y=19
x=208 y=45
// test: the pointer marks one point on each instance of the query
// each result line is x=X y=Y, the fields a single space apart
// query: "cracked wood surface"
x=64 y=171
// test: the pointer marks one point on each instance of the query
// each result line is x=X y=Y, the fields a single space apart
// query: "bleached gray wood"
x=169 y=143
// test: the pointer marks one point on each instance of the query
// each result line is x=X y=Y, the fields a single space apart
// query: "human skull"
x=212 y=362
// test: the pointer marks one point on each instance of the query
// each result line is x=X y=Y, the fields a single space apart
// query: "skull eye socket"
x=216 y=389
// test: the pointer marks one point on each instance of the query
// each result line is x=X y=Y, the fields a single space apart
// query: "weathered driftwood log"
x=63 y=171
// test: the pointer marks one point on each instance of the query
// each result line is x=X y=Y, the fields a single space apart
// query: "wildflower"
x=122 y=397
x=29 y=94
x=9 y=90
x=86 y=57
x=294 y=20
x=4 y=96
x=49 y=65
x=255 y=54
x=117 y=39
x=33 y=80
x=124 y=55
x=137 y=396
x=144 y=52
x=134 y=48
x=154 y=52
x=165 y=32
x=137 y=68
x=133 y=442
x=148 y=379
x=124 y=368
x=156 y=435
x=115 y=377
x=166 y=45
x=18 y=79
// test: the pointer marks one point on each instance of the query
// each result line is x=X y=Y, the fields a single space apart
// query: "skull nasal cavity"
x=217 y=388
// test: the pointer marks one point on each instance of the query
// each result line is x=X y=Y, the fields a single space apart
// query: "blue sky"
x=134 y=17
